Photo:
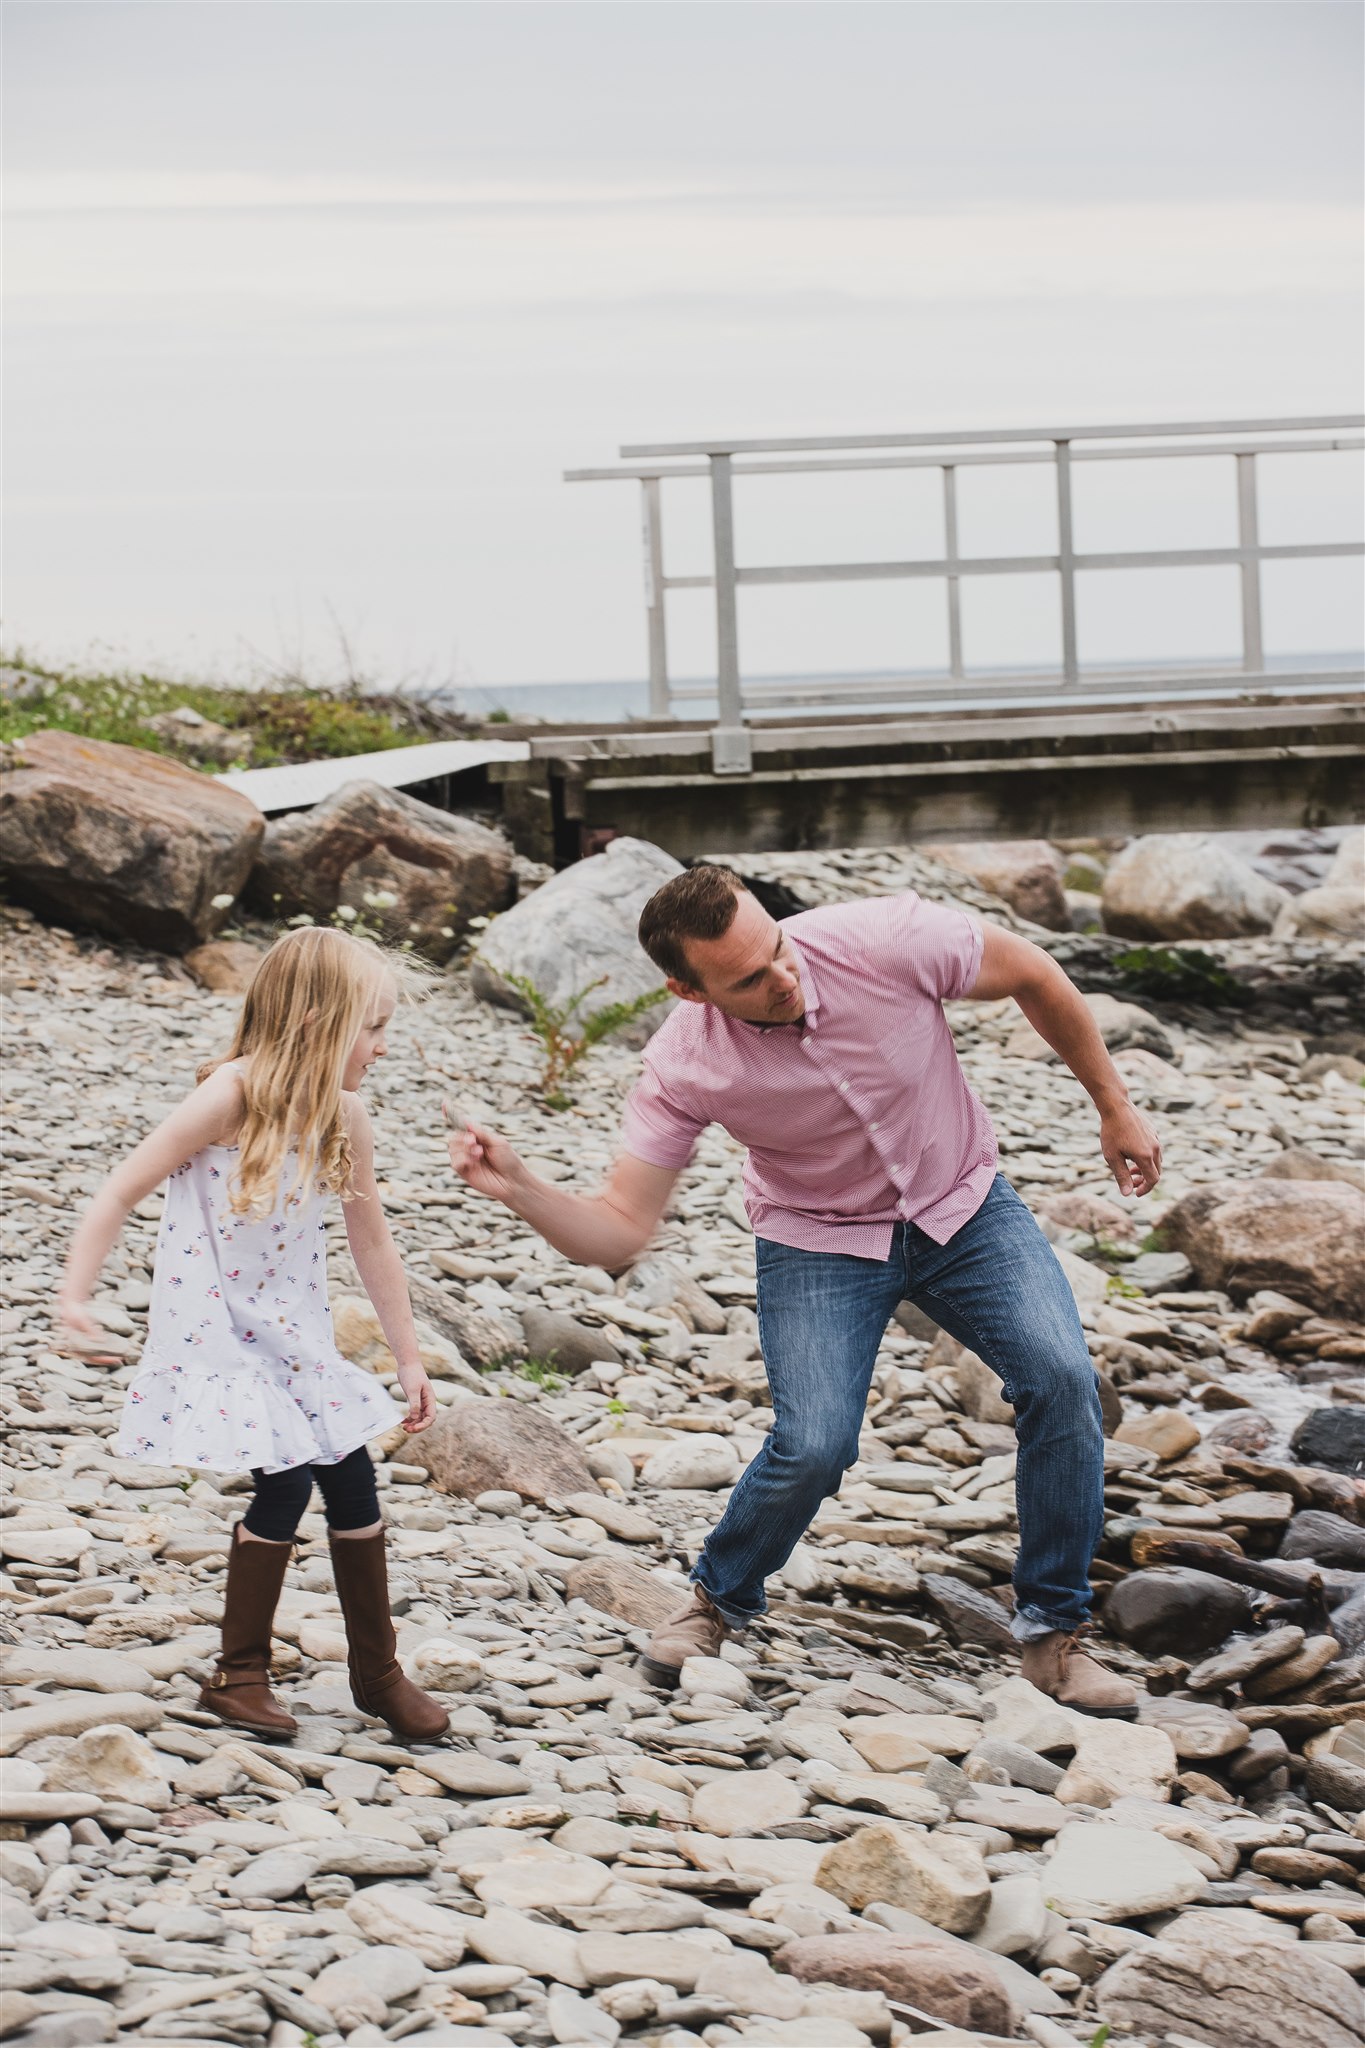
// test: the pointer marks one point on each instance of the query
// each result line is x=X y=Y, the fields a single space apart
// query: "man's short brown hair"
x=699 y=904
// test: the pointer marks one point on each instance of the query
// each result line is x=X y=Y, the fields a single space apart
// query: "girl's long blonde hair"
x=303 y=1012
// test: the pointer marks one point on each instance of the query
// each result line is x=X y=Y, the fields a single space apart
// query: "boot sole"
x=257 y=1728
x=665 y=1676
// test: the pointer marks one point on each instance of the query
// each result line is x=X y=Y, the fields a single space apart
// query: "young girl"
x=240 y=1367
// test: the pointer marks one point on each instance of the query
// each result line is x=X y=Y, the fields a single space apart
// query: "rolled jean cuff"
x=729 y=1615
x=1030 y=1624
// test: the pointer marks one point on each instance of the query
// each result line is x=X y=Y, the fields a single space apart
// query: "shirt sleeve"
x=942 y=946
x=655 y=1127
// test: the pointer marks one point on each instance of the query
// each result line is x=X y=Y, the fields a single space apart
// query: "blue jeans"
x=998 y=1289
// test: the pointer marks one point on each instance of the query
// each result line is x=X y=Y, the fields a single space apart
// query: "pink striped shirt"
x=858 y=1117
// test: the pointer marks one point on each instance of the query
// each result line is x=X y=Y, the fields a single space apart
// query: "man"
x=821 y=1044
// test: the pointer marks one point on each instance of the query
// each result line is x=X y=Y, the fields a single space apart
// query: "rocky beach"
x=858 y=1825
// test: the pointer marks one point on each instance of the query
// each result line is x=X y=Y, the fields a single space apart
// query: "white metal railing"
x=723 y=460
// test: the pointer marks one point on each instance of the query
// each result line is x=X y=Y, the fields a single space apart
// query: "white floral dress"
x=240 y=1368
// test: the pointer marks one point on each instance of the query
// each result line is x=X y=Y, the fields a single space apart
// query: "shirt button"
x=874 y=1127
x=843 y=1087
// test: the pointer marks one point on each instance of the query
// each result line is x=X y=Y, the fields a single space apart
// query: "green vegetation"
x=1184 y=975
x=289 y=720
x=540 y=1372
x=553 y=1025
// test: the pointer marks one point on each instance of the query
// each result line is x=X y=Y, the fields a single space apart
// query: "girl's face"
x=370 y=1043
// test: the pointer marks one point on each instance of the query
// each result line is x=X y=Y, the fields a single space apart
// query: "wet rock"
x=482 y=1446
x=1297 y=1236
x=1222 y=1994
x=1328 y=1538
x=403 y=865
x=1334 y=1437
x=1171 y=1610
x=939 y=1980
x=120 y=841
x=579 y=930
x=1177 y=886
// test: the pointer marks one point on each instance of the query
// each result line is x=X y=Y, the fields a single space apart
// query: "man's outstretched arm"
x=610 y=1228
x=1056 y=1009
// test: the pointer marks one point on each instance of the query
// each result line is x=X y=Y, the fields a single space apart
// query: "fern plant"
x=553 y=1024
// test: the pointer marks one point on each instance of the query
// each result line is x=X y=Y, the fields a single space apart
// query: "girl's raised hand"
x=421 y=1401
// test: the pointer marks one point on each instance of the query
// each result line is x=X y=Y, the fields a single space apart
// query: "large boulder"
x=1178 y=886
x=1302 y=1237
x=481 y=1446
x=1335 y=909
x=1123 y=1027
x=122 y=841
x=945 y=1981
x=1027 y=873
x=415 y=872
x=1232 y=1989
x=579 y=930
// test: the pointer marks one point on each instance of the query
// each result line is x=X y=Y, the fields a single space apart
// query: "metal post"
x=731 y=743
x=1066 y=562
x=1248 y=536
x=659 y=706
x=954 y=580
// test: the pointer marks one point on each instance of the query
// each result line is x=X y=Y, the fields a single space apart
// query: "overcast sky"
x=309 y=305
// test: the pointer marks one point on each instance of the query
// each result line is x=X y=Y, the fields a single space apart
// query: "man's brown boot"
x=1058 y=1666
x=377 y=1683
x=696 y=1630
x=239 y=1690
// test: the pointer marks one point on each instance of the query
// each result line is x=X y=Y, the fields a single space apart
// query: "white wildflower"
x=347 y=913
x=223 y=902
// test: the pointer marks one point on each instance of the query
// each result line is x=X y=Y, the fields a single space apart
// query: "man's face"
x=751 y=973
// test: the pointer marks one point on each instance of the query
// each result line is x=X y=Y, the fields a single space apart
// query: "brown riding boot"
x=239 y=1690
x=697 y=1630
x=377 y=1684
x=1058 y=1666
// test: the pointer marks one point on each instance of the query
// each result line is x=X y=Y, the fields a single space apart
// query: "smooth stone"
x=74 y=1670
x=1197 y=1729
x=695 y=1463
x=1016 y=1810
x=1016 y=1711
x=1117 y=1758
x=1024 y=1766
x=474 y=1776
x=363 y=1987
x=1098 y=1872
x=73 y=1714
x=1312 y=1657
x=1017 y=1918
x=607 y=1959
x=1243 y=1658
x=955 y=1988
x=747 y=1803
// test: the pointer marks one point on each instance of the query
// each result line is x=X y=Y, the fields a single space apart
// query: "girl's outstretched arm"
x=208 y=1117
x=381 y=1271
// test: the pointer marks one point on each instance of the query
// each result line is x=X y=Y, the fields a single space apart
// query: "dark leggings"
x=349 y=1497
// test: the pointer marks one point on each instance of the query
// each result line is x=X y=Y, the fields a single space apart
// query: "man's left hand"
x=1131 y=1148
